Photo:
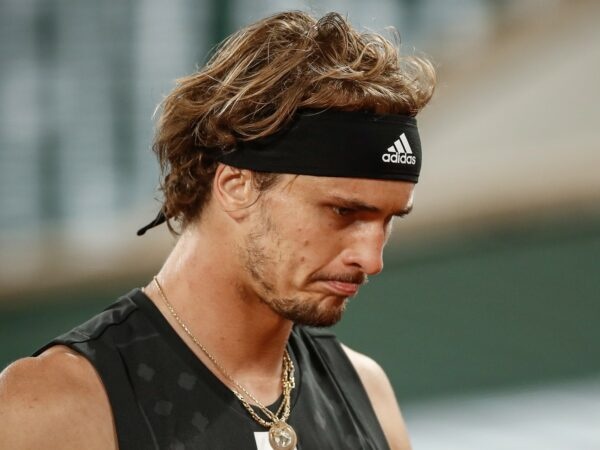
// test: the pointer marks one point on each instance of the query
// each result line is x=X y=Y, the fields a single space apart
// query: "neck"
x=243 y=334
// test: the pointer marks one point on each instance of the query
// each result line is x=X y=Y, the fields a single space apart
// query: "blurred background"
x=486 y=317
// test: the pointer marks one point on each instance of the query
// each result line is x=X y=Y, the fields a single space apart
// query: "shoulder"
x=380 y=392
x=54 y=401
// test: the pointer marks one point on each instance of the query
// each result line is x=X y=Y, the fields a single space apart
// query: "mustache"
x=354 y=278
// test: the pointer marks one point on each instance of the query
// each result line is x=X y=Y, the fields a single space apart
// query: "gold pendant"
x=282 y=436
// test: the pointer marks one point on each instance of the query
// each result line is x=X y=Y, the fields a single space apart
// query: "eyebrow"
x=361 y=206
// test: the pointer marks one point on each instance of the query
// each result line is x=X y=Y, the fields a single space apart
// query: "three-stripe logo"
x=400 y=152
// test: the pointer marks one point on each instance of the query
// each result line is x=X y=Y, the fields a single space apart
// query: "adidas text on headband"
x=353 y=144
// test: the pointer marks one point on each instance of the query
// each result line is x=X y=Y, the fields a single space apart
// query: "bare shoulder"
x=54 y=401
x=380 y=392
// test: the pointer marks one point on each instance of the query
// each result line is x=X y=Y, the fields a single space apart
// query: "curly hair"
x=259 y=77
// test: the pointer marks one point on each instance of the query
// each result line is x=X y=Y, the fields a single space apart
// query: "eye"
x=341 y=211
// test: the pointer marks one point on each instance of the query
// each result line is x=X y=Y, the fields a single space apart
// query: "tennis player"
x=285 y=160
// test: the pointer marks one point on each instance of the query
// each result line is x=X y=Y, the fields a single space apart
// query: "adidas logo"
x=400 y=152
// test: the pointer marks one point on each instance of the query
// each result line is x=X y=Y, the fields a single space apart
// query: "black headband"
x=333 y=143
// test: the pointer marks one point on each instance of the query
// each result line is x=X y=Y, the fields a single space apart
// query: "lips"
x=343 y=288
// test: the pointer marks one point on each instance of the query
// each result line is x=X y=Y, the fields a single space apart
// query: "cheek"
x=313 y=253
x=312 y=246
x=301 y=254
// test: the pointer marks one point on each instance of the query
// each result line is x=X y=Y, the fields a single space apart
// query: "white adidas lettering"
x=400 y=152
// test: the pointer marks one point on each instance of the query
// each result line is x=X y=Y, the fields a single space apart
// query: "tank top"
x=163 y=397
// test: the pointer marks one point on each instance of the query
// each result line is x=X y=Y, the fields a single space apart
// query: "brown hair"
x=259 y=77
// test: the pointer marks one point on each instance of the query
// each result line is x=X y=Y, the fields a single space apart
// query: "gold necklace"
x=281 y=435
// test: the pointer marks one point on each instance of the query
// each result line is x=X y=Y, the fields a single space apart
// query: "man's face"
x=313 y=241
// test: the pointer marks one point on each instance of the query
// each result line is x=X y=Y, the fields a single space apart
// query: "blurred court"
x=550 y=417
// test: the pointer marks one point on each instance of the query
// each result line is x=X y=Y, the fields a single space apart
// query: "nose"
x=366 y=251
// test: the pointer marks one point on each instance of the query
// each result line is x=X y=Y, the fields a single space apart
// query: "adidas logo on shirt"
x=400 y=152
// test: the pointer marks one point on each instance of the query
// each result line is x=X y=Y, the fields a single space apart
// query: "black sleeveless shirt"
x=163 y=397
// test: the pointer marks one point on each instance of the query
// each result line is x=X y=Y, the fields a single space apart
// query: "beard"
x=262 y=254
x=310 y=312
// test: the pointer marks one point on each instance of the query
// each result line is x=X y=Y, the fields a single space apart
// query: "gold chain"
x=287 y=376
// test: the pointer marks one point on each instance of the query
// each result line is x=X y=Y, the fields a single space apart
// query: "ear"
x=233 y=190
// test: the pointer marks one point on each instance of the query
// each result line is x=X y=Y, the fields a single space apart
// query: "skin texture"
x=294 y=253
x=55 y=401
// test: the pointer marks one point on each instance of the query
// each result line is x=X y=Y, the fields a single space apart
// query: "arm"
x=54 y=401
x=382 y=398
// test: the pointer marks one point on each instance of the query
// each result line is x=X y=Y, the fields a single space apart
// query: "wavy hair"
x=259 y=77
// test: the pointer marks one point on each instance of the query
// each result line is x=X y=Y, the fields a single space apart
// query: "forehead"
x=383 y=194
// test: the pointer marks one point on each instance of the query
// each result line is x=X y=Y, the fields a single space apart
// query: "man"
x=285 y=160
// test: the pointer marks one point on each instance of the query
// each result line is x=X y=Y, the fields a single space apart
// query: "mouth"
x=342 y=288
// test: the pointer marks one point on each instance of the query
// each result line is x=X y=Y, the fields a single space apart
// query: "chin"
x=322 y=322
x=325 y=313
